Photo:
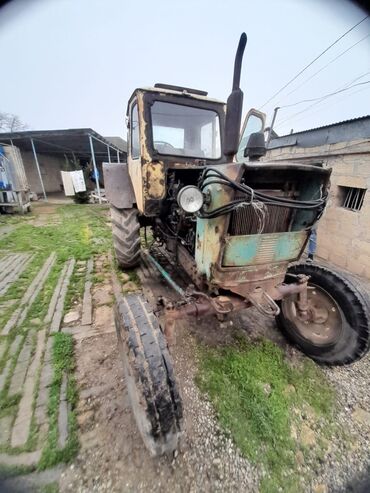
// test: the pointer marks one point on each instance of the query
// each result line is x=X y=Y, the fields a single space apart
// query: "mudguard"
x=118 y=186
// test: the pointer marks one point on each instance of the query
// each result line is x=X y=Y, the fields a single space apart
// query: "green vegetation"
x=50 y=488
x=81 y=233
x=72 y=231
x=63 y=363
x=258 y=396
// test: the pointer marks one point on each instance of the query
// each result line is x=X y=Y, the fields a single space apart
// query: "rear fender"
x=118 y=186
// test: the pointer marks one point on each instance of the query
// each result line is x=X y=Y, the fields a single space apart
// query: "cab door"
x=253 y=122
x=134 y=154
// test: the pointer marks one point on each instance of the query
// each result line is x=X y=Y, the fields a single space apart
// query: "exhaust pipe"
x=235 y=104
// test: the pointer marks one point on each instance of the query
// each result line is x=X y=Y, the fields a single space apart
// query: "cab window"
x=135 y=137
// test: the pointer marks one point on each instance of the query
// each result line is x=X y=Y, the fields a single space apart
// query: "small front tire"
x=149 y=375
x=337 y=330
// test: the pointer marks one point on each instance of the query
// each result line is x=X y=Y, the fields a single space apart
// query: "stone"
x=320 y=488
x=86 y=318
x=103 y=295
x=5 y=429
x=124 y=277
x=293 y=432
x=71 y=317
x=361 y=416
x=35 y=321
x=267 y=388
x=289 y=390
x=63 y=415
x=307 y=436
x=299 y=457
x=58 y=313
x=129 y=286
x=23 y=459
x=104 y=317
x=12 y=350
x=85 y=418
x=20 y=371
x=22 y=422
x=30 y=295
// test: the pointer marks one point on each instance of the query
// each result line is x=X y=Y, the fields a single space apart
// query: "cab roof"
x=175 y=91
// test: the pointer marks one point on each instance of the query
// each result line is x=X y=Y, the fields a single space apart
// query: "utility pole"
x=272 y=124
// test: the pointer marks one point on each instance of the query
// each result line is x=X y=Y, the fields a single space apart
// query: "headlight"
x=190 y=199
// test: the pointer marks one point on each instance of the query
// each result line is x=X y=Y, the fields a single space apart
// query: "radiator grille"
x=245 y=221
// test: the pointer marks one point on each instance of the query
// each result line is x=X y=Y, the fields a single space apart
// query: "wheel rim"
x=324 y=323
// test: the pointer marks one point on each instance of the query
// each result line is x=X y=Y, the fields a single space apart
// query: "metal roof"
x=69 y=141
x=119 y=142
x=329 y=125
x=344 y=131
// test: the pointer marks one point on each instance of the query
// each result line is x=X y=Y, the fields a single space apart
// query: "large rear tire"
x=126 y=236
x=152 y=388
x=338 y=328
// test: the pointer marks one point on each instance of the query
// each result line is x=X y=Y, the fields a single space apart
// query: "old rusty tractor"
x=232 y=227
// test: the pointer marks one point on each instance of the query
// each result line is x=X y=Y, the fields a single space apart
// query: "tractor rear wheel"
x=126 y=236
x=151 y=386
x=337 y=330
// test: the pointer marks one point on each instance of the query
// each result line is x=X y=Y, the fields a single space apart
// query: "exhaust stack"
x=235 y=104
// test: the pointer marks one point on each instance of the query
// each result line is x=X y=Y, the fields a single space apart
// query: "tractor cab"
x=175 y=125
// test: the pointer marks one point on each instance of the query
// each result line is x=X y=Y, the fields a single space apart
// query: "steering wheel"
x=162 y=142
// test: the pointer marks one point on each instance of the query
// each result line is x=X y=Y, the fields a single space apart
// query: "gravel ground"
x=112 y=457
x=353 y=466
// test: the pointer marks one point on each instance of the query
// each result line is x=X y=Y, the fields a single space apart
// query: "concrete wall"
x=50 y=167
x=343 y=235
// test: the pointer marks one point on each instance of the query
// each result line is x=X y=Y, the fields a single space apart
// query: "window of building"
x=352 y=198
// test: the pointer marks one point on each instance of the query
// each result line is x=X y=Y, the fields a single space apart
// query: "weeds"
x=255 y=392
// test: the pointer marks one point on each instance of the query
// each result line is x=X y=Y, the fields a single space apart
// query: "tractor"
x=234 y=226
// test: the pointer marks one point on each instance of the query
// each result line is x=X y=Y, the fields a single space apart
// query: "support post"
x=38 y=169
x=108 y=149
x=272 y=125
x=95 y=168
x=117 y=156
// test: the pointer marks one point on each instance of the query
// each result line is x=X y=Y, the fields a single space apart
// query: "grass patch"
x=63 y=363
x=81 y=232
x=49 y=488
x=256 y=395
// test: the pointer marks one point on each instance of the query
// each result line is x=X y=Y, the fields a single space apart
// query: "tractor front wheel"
x=126 y=236
x=151 y=386
x=336 y=329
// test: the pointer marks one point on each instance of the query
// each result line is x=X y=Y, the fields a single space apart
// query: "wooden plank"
x=30 y=295
x=58 y=314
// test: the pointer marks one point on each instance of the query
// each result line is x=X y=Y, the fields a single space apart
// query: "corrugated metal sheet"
x=344 y=131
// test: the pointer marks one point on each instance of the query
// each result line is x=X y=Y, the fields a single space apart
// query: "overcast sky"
x=74 y=63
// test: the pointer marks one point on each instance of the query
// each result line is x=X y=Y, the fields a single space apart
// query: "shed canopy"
x=70 y=141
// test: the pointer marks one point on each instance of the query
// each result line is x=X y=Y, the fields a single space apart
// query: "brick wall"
x=50 y=167
x=343 y=235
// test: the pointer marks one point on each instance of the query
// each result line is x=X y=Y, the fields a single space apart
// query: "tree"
x=11 y=123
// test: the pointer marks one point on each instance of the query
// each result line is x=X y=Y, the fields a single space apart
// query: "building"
x=344 y=230
x=47 y=152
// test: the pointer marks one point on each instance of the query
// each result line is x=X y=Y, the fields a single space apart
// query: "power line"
x=321 y=100
x=326 y=95
x=329 y=63
x=314 y=60
x=330 y=104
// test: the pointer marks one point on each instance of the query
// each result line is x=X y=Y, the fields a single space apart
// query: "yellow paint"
x=155 y=180
x=134 y=165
